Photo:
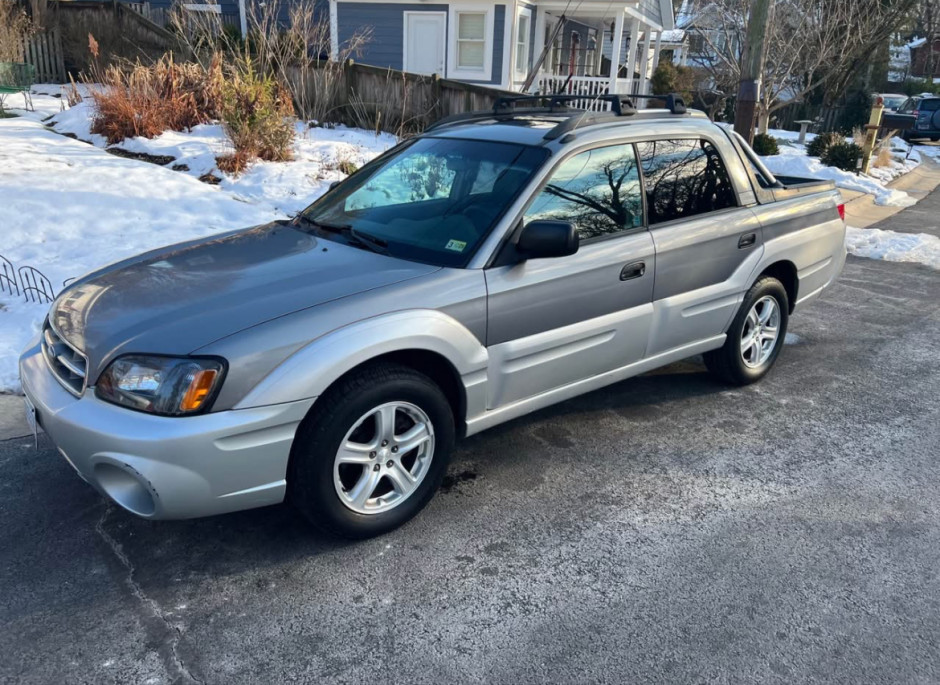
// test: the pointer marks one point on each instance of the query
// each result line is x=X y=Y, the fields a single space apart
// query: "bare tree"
x=810 y=45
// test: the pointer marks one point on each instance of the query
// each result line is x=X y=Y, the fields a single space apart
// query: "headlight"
x=161 y=385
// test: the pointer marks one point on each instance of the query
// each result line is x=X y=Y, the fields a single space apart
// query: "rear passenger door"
x=552 y=322
x=706 y=242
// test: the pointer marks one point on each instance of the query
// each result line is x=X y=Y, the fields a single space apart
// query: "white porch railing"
x=587 y=86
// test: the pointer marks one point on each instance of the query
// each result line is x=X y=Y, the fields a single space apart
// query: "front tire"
x=372 y=452
x=755 y=336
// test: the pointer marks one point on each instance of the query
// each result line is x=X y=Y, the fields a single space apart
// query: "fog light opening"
x=126 y=489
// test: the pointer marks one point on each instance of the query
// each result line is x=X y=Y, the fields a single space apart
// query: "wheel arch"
x=427 y=340
x=785 y=272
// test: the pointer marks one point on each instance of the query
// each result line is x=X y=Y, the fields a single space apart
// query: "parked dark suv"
x=927 y=110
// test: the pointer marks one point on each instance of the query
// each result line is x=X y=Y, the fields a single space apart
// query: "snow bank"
x=891 y=246
x=792 y=161
x=67 y=207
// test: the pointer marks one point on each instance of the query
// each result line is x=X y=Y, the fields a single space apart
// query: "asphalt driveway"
x=667 y=529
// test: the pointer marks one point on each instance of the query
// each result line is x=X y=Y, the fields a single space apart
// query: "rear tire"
x=755 y=336
x=361 y=465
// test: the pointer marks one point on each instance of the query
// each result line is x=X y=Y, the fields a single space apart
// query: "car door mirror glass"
x=544 y=238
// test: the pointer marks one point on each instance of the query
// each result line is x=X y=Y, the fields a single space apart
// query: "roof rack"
x=675 y=103
x=619 y=105
x=557 y=104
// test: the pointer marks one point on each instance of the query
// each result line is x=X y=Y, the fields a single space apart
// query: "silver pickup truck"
x=501 y=262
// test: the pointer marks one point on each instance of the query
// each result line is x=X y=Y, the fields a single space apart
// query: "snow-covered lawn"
x=67 y=207
x=793 y=161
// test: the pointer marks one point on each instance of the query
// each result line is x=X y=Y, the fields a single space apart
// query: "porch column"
x=644 y=61
x=631 y=56
x=616 y=44
x=599 y=49
x=656 y=50
x=539 y=46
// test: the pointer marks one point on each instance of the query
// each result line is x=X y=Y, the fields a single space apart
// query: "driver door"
x=552 y=322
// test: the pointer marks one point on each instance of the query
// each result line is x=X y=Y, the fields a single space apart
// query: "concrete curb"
x=861 y=210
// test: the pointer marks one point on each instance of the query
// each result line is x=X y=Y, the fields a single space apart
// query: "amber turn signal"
x=199 y=388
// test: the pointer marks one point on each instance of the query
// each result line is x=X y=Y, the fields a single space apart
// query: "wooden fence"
x=381 y=98
x=44 y=52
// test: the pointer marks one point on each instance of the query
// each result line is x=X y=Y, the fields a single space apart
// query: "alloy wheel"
x=760 y=331
x=384 y=457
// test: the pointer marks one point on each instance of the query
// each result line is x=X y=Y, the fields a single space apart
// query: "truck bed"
x=794 y=186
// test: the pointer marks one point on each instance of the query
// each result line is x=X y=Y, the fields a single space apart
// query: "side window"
x=684 y=178
x=414 y=178
x=598 y=191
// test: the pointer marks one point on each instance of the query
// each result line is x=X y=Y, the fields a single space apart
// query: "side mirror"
x=334 y=184
x=541 y=239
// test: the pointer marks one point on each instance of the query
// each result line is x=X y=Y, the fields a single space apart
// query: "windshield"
x=893 y=102
x=433 y=200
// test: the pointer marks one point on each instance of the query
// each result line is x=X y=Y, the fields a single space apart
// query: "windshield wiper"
x=353 y=235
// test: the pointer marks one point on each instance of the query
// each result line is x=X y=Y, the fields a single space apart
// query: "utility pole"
x=752 y=62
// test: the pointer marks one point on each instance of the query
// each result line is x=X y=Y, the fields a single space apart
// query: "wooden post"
x=437 y=105
x=871 y=133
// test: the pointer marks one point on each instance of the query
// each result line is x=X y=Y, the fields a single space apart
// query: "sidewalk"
x=862 y=212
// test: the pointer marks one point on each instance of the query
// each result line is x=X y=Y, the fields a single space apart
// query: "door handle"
x=634 y=270
x=747 y=240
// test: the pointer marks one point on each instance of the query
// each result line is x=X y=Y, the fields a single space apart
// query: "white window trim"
x=209 y=8
x=520 y=74
x=404 y=40
x=455 y=72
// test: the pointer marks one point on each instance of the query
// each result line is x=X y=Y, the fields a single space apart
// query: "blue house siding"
x=499 y=32
x=386 y=46
x=582 y=30
x=653 y=10
x=387 y=23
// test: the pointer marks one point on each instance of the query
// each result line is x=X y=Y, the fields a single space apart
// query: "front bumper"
x=167 y=467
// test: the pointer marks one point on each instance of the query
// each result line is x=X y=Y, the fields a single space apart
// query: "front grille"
x=68 y=365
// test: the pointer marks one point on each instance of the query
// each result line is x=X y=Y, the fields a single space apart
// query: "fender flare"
x=313 y=368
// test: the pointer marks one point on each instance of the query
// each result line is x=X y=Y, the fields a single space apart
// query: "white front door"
x=424 y=42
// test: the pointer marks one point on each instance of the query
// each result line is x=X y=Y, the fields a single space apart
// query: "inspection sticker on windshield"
x=456 y=245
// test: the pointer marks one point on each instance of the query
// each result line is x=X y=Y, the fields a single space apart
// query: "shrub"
x=818 y=145
x=257 y=115
x=15 y=27
x=765 y=144
x=843 y=156
x=671 y=78
x=884 y=157
x=146 y=100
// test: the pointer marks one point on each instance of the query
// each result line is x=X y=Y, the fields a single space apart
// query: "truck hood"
x=180 y=298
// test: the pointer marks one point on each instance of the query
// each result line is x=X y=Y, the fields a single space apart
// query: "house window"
x=471 y=40
x=523 y=24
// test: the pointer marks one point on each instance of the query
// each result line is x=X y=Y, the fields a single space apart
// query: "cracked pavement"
x=666 y=529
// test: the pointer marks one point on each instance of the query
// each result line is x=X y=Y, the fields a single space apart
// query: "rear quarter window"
x=684 y=178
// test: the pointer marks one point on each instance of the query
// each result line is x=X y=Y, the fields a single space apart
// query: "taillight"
x=841 y=209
